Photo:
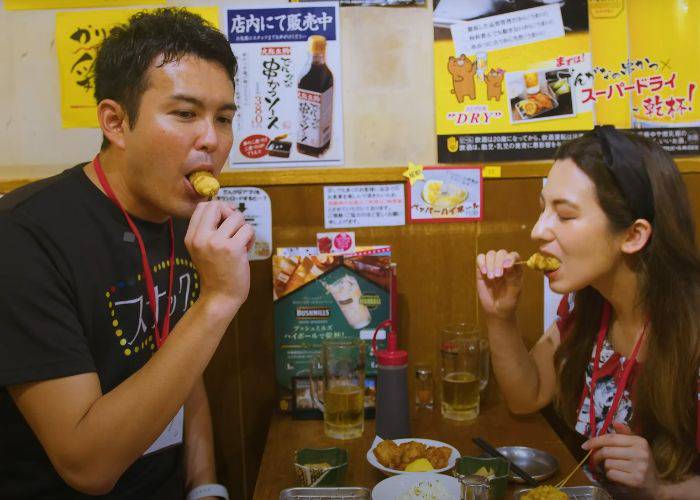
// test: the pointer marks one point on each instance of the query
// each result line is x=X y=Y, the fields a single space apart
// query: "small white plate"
x=395 y=486
x=428 y=442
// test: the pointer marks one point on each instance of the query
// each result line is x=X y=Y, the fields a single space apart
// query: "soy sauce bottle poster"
x=288 y=86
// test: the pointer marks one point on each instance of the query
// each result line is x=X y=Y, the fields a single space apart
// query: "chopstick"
x=561 y=483
x=495 y=453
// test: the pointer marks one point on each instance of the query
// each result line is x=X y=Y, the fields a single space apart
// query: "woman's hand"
x=627 y=460
x=498 y=283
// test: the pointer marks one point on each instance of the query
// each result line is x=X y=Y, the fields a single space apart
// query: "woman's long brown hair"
x=665 y=393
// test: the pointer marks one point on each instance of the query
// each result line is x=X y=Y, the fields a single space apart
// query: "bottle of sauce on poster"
x=315 y=96
x=391 y=414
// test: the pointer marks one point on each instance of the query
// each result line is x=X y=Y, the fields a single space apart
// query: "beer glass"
x=343 y=368
x=460 y=352
x=484 y=355
x=532 y=82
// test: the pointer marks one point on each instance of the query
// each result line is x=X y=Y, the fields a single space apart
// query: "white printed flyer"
x=288 y=86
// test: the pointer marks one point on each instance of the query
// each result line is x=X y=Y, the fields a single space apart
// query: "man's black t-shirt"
x=73 y=300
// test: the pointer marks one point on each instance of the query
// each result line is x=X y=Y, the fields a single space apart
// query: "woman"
x=616 y=214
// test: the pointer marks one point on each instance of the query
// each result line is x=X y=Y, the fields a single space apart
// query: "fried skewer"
x=539 y=262
x=205 y=184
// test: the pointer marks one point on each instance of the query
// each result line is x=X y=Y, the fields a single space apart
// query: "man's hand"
x=218 y=240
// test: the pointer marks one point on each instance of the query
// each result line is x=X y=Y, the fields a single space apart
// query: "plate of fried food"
x=534 y=105
x=400 y=456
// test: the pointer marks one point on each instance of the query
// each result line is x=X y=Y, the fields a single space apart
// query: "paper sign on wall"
x=446 y=194
x=367 y=205
x=254 y=204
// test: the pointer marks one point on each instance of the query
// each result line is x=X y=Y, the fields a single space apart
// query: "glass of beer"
x=484 y=356
x=532 y=82
x=343 y=367
x=460 y=353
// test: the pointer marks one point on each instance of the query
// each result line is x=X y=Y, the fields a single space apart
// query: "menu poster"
x=507 y=78
x=446 y=194
x=288 y=86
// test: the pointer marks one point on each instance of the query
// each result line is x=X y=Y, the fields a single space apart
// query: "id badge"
x=171 y=436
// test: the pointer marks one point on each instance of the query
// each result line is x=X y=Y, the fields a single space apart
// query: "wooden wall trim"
x=14 y=177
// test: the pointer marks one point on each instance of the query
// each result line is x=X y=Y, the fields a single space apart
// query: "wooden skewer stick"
x=561 y=483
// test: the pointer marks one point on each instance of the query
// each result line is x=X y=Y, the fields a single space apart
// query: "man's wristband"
x=208 y=490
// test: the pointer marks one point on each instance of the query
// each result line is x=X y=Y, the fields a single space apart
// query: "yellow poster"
x=505 y=77
x=609 y=49
x=665 y=36
x=78 y=34
x=647 y=69
x=513 y=83
x=74 y=4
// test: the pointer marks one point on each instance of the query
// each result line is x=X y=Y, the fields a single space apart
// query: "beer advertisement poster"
x=516 y=79
x=324 y=297
x=288 y=85
x=508 y=81
x=645 y=80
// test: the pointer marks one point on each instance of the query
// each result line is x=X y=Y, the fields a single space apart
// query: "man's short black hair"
x=123 y=59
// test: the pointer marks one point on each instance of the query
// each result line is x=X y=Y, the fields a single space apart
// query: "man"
x=109 y=312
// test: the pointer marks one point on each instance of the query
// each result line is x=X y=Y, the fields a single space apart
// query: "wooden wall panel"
x=223 y=388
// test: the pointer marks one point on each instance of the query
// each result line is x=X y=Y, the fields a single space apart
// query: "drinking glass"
x=460 y=373
x=343 y=367
x=484 y=353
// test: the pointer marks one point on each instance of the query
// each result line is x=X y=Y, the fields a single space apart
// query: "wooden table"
x=495 y=424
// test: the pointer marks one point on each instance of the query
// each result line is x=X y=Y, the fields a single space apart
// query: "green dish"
x=497 y=485
x=306 y=463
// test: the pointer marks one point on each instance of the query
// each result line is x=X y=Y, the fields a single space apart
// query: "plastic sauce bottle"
x=392 y=417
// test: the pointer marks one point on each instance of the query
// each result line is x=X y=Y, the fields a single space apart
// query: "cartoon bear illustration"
x=494 y=84
x=462 y=70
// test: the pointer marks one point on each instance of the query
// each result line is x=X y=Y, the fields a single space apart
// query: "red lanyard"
x=161 y=335
x=629 y=365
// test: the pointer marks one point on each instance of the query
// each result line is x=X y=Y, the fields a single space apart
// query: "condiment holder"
x=321 y=467
x=497 y=485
